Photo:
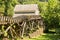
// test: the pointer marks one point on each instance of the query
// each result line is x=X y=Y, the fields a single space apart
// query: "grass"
x=51 y=35
x=47 y=36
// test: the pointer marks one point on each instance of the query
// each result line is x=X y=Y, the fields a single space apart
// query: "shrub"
x=51 y=15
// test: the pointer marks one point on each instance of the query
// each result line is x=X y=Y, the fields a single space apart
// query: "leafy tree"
x=9 y=5
x=51 y=17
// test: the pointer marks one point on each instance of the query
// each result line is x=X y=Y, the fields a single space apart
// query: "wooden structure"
x=23 y=24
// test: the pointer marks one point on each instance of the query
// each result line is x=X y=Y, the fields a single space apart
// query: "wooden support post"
x=11 y=32
x=32 y=25
x=9 y=27
x=38 y=24
x=24 y=25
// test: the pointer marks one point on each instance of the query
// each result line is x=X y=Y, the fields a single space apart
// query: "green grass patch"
x=47 y=37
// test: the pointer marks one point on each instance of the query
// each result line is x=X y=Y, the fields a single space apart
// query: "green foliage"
x=42 y=7
x=29 y=1
x=52 y=3
x=7 y=6
x=1 y=2
x=3 y=30
x=51 y=14
x=57 y=30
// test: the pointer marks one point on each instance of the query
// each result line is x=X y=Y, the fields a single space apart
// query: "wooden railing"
x=7 y=19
